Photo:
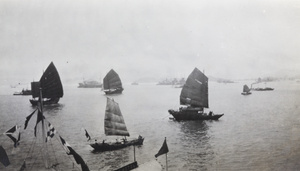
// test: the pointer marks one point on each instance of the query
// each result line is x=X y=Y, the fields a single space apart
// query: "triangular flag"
x=164 y=149
x=14 y=134
x=87 y=135
x=77 y=157
x=28 y=118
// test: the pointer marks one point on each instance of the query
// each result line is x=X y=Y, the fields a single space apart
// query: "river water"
x=257 y=132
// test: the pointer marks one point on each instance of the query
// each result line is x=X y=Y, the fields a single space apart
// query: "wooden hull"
x=128 y=167
x=193 y=115
x=101 y=147
x=116 y=91
x=246 y=93
x=45 y=102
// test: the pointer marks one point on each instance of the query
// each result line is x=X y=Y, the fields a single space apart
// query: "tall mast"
x=45 y=151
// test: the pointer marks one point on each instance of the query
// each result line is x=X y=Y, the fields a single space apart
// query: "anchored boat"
x=246 y=90
x=50 y=83
x=194 y=95
x=112 y=83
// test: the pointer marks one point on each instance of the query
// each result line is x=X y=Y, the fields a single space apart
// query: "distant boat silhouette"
x=90 y=84
x=263 y=89
x=246 y=90
x=194 y=95
x=25 y=92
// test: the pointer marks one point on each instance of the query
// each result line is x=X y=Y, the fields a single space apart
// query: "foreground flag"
x=87 y=135
x=40 y=117
x=3 y=157
x=51 y=132
x=164 y=149
x=23 y=167
x=28 y=118
x=77 y=157
x=14 y=134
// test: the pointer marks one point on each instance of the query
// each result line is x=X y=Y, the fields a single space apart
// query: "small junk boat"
x=114 y=125
x=50 y=83
x=246 y=90
x=112 y=83
x=194 y=95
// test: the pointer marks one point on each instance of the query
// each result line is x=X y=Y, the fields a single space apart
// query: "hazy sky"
x=148 y=38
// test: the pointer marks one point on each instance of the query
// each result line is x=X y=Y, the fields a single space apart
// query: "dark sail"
x=195 y=90
x=35 y=89
x=114 y=123
x=50 y=83
x=112 y=81
x=246 y=89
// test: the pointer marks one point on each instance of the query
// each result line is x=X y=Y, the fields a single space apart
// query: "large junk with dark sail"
x=194 y=95
x=112 y=83
x=51 y=86
x=114 y=125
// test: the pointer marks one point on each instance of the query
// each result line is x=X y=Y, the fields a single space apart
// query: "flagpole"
x=43 y=131
x=134 y=152
x=166 y=161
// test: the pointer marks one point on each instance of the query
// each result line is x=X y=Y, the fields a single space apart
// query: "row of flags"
x=14 y=135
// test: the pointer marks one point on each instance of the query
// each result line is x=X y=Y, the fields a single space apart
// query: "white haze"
x=232 y=39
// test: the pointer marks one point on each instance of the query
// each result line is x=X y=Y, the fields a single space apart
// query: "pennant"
x=14 y=134
x=51 y=132
x=23 y=167
x=77 y=157
x=28 y=118
x=40 y=117
x=3 y=157
x=65 y=145
x=164 y=149
x=87 y=135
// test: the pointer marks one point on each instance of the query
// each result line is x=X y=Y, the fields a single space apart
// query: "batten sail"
x=112 y=80
x=35 y=89
x=195 y=90
x=50 y=83
x=114 y=123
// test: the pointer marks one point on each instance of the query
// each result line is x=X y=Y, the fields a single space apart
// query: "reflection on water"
x=196 y=145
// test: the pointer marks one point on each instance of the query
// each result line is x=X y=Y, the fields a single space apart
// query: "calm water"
x=258 y=132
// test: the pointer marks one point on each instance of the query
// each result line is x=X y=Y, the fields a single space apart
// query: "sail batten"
x=114 y=123
x=195 y=90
